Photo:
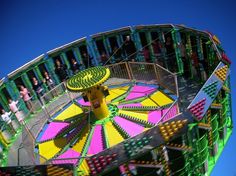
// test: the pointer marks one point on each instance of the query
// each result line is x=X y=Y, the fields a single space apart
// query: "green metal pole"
x=177 y=39
x=65 y=59
x=77 y=55
x=12 y=89
x=3 y=101
x=149 y=40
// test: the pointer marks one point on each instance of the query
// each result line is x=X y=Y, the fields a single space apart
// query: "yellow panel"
x=3 y=140
x=81 y=141
x=160 y=98
x=116 y=92
x=148 y=102
x=136 y=115
x=84 y=167
x=50 y=148
x=113 y=136
x=69 y=112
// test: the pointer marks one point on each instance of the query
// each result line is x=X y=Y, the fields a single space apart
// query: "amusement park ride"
x=166 y=111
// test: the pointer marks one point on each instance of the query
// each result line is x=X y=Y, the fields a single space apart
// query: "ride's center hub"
x=89 y=82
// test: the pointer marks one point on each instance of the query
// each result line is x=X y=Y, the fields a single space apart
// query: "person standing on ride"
x=75 y=66
x=146 y=54
x=157 y=49
x=195 y=65
x=38 y=88
x=7 y=119
x=48 y=80
x=130 y=49
x=14 y=109
x=116 y=53
x=24 y=94
x=61 y=71
x=170 y=52
x=185 y=59
x=87 y=60
x=104 y=58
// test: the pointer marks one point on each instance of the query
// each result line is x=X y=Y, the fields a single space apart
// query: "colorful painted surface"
x=96 y=144
x=157 y=99
x=72 y=111
x=131 y=128
x=113 y=136
x=91 y=138
x=70 y=153
x=204 y=98
x=140 y=91
x=52 y=130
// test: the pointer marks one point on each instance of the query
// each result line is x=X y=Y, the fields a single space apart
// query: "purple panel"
x=128 y=105
x=155 y=116
x=171 y=113
x=140 y=91
x=68 y=154
x=83 y=103
x=96 y=144
x=130 y=127
x=52 y=130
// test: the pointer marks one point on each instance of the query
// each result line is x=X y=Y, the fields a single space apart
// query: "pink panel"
x=83 y=103
x=140 y=91
x=68 y=154
x=52 y=130
x=155 y=116
x=96 y=144
x=130 y=127
x=172 y=112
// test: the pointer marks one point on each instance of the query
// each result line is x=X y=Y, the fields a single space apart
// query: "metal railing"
x=120 y=73
x=167 y=79
x=143 y=72
x=55 y=99
x=49 y=104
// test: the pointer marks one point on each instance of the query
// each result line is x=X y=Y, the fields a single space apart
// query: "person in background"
x=146 y=54
x=61 y=71
x=170 y=52
x=87 y=60
x=130 y=49
x=14 y=109
x=25 y=95
x=116 y=53
x=38 y=87
x=169 y=46
x=104 y=58
x=157 y=49
x=185 y=60
x=48 y=80
x=156 y=45
x=195 y=65
x=75 y=66
x=7 y=119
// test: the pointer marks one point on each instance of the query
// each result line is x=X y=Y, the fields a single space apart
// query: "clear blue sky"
x=29 y=28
